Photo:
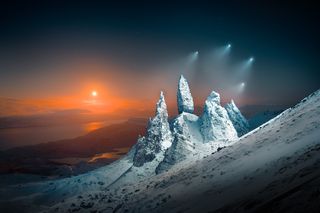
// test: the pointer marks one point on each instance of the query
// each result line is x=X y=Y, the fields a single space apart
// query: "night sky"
x=54 y=54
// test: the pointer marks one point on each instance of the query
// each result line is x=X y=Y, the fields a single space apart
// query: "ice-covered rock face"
x=213 y=98
x=215 y=122
x=239 y=122
x=184 y=131
x=158 y=137
x=159 y=128
x=161 y=107
x=184 y=98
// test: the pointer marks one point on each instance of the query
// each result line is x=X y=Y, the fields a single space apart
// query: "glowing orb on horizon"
x=94 y=93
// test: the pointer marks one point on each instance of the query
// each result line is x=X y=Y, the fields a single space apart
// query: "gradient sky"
x=54 y=54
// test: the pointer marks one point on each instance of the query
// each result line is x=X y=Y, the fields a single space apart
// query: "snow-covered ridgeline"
x=239 y=122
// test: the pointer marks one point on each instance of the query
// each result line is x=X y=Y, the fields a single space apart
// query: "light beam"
x=192 y=58
x=241 y=87
x=245 y=66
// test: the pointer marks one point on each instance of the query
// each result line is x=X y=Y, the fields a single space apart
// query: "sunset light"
x=94 y=93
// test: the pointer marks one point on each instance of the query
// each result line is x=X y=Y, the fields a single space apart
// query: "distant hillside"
x=37 y=158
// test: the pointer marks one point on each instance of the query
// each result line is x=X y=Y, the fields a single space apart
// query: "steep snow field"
x=274 y=168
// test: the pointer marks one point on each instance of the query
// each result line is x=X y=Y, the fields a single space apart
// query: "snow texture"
x=239 y=122
x=184 y=98
x=215 y=122
x=158 y=137
x=186 y=138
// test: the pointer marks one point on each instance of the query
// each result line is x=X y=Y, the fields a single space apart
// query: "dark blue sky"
x=143 y=38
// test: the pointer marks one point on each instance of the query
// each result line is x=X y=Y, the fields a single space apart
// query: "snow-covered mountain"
x=187 y=141
x=215 y=122
x=194 y=136
x=158 y=137
x=194 y=164
x=239 y=122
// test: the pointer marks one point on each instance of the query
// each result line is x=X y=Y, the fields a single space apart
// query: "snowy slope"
x=267 y=169
x=33 y=197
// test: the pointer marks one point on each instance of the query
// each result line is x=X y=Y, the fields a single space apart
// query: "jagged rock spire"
x=214 y=97
x=239 y=122
x=184 y=98
x=161 y=107
x=158 y=137
x=215 y=122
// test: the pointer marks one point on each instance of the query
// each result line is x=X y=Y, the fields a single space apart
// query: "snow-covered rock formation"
x=215 y=122
x=190 y=133
x=158 y=137
x=239 y=122
x=185 y=130
x=184 y=98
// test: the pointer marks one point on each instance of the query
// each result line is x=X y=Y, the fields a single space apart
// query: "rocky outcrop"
x=158 y=137
x=184 y=98
x=215 y=122
x=239 y=122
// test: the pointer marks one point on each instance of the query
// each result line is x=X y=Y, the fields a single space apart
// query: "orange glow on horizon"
x=109 y=155
x=94 y=93
x=89 y=127
x=105 y=104
x=107 y=88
